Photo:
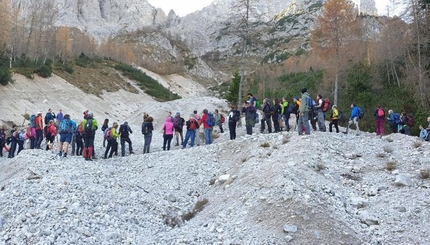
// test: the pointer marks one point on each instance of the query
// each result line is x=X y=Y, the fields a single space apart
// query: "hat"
x=304 y=90
x=90 y=113
x=248 y=102
x=296 y=97
x=177 y=113
x=39 y=112
x=125 y=123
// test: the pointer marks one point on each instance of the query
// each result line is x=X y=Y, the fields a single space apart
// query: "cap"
x=90 y=113
x=177 y=113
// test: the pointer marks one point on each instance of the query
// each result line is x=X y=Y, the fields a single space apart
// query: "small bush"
x=390 y=166
x=5 y=76
x=388 y=149
x=45 y=71
x=69 y=69
x=265 y=144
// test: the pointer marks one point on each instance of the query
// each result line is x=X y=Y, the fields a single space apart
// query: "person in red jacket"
x=207 y=129
x=51 y=132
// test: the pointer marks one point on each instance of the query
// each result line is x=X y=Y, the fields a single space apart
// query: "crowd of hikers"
x=306 y=111
x=310 y=112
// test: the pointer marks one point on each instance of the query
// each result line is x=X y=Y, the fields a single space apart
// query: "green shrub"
x=147 y=83
x=45 y=71
x=5 y=76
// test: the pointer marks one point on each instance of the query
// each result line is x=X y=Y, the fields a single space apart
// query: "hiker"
x=50 y=133
x=275 y=116
x=379 y=120
x=268 y=111
x=112 y=143
x=67 y=128
x=393 y=121
x=199 y=121
x=192 y=127
x=252 y=101
x=404 y=121
x=353 y=119
x=303 y=122
x=249 y=117
x=2 y=141
x=297 y=102
x=233 y=118
x=320 y=113
x=334 y=119
x=39 y=130
x=30 y=134
x=12 y=140
x=125 y=131
x=219 y=120
x=59 y=116
x=78 y=141
x=178 y=124
x=21 y=140
x=104 y=127
x=207 y=127
x=147 y=128
x=50 y=115
x=168 y=133
x=89 y=127
x=425 y=132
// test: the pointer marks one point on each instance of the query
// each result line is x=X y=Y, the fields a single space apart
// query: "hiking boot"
x=176 y=144
x=131 y=152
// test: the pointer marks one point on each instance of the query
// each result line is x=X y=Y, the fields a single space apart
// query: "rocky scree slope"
x=261 y=189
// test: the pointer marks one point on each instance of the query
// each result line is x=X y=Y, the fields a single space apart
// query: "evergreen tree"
x=233 y=90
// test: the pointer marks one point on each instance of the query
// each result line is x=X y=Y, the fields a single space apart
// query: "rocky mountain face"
x=278 y=28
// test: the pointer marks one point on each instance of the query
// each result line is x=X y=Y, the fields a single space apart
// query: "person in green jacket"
x=303 y=123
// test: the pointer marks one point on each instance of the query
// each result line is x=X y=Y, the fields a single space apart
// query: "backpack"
x=235 y=117
x=222 y=118
x=108 y=134
x=46 y=131
x=360 y=112
x=123 y=130
x=65 y=126
x=192 y=124
x=410 y=121
x=145 y=129
x=340 y=115
x=88 y=126
x=326 y=105
x=397 y=118
x=257 y=103
x=32 y=121
x=177 y=122
x=311 y=103
x=381 y=112
x=210 y=119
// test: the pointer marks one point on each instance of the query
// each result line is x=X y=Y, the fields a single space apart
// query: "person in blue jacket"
x=393 y=120
x=353 y=119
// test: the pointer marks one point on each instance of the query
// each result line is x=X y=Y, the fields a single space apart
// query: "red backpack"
x=193 y=125
x=222 y=118
x=326 y=105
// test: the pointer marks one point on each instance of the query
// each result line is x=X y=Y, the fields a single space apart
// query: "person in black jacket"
x=125 y=131
x=268 y=111
x=276 y=111
x=147 y=128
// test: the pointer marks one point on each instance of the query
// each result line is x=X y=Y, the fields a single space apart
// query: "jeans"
x=147 y=143
x=190 y=134
x=39 y=138
x=130 y=148
x=303 y=123
x=208 y=136
x=232 y=128
x=321 y=121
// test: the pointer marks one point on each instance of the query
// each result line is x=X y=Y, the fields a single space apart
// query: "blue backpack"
x=396 y=118
x=210 y=120
x=66 y=126
x=311 y=103
x=32 y=121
